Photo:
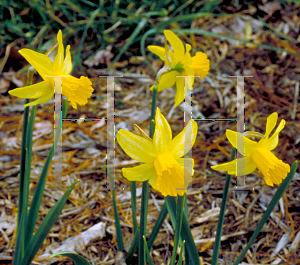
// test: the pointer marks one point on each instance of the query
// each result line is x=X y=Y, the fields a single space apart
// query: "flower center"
x=170 y=176
x=273 y=169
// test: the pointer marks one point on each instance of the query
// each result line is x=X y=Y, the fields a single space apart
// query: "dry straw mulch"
x=273 y=87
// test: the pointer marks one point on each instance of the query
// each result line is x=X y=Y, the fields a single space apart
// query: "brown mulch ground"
x=273 y=87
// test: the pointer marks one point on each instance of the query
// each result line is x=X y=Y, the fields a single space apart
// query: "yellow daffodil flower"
x=258 y=154
x=166 y=171
x=76 y=90
x=178 y=62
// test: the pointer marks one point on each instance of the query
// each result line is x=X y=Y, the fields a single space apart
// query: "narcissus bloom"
x=76 y=90
x=166 y=171
x=258 y=154
x=178 y=62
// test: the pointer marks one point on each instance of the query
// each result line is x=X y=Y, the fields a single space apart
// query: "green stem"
x=145 y=191
x=116 y=213
x=222 y=215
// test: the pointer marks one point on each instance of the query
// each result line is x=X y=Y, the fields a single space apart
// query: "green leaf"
x=191 y=249
x=116 y=213
x=181 y=253
x=279 y=193
x=158 y=224
x=179 y=214
x=133 y=204
x=148 y=253
x=45 y=226
x=77 y=259
x=39 y=190
x=143 y=222
x=22 y=209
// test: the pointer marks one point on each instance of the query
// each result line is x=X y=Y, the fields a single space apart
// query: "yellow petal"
x=175 y=42
x=59 y=58
x=67 y=68
x=187 y=56
x=32 y=91
x=273 y=140
x=137 y=147
x=159 y=51
x=77 y=90
x=47 y=95
x=238 y=140
x=200 y=64
x=139 y=173
x=162 y=134
x=167 y=80
x=184 y=141
x=39 y=61
x=271 y=123
x=231 y=167
x=180 y=91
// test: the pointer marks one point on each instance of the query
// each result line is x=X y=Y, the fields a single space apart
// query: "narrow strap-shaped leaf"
x=181 y=253
x=133 y=247
x=39 y=190
x=222 y=214
x=148 y=253
x=116 y=213
x=22 y=211
x=279 y=193
x=179 y=214
x=185 y=234
x=77 y=259
x=158 y=224
x=45 y=226
x=143 y=222
x=133 y=204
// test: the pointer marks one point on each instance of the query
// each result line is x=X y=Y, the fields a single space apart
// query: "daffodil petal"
x=200 y=65
x=180 y=91
x=47 y=95
x=139 y=173
x=175 y=42
x=243 y=144
x=184 y=141
x=159 y=51
x=273 y=140
x=137 y=147
x=67 y=68
x=187 y=56
x=152 y=181
x=271 y=123
x=39 y=61
x=59 y=58
x=231 y=167
x=32 y=91
x=162 y=134
x=167 y=80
